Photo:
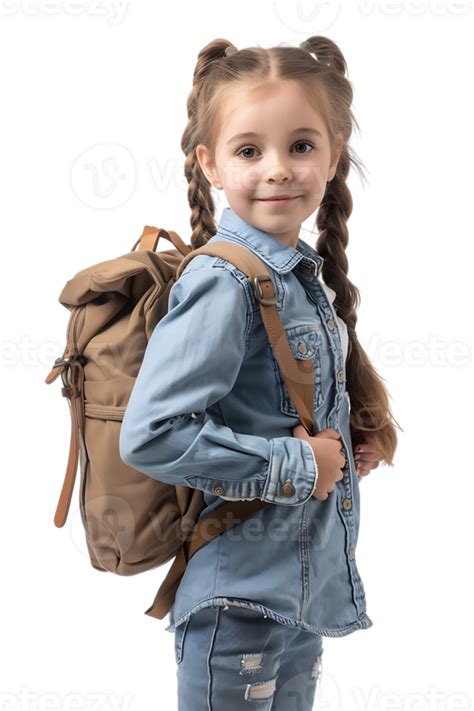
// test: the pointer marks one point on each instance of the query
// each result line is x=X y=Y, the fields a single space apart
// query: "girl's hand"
x=329 y=456
x=366 y=456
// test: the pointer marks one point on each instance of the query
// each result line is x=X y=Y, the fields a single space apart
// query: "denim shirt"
x=210 y=410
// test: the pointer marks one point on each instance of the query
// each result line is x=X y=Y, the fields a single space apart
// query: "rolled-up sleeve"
x=192 y=361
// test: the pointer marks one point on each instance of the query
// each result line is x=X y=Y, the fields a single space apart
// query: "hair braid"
x=200 y=197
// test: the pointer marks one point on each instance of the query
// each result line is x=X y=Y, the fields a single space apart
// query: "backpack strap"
x=70 y=367
x=150 y=237
x=224 y=517
x=297 y=373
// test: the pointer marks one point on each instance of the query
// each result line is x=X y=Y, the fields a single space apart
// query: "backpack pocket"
x=305 y=343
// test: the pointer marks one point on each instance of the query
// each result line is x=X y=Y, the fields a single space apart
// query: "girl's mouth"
x=280 y=201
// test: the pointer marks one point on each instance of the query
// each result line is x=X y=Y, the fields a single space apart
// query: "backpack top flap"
x=130 y=274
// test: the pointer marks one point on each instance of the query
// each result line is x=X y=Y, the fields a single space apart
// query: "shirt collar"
x=279 y=256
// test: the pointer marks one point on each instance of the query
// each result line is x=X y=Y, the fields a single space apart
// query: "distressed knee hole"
x=316 y=669
x=250 y=663
x=260 y=690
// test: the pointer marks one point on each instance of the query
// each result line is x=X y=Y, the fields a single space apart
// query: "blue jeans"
x=232 y=658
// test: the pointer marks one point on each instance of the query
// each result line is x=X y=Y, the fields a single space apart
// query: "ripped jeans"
x=232 y=658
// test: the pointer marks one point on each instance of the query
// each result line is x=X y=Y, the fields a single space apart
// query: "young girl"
x=210 y=408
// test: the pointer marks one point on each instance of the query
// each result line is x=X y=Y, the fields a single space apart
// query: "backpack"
x=133 y=522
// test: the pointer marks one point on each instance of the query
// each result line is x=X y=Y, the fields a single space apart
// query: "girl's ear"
x=207 y=165
x=336 y=154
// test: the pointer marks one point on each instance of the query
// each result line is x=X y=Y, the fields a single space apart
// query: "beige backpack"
x=133 y=522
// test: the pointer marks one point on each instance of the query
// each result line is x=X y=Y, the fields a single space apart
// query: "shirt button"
x=347 y=504
x=331 y=324
x=340 y=376
x=219 y=490
x=302 y=347
x=288 y=489
x=351 y=553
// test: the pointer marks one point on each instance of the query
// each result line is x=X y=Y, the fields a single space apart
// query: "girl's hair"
x=319 y=67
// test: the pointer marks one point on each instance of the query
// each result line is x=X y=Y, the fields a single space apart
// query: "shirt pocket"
x=305 y=344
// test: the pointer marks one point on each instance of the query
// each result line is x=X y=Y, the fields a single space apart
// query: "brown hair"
x=323 y=77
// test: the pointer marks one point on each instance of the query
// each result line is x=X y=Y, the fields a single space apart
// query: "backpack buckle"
x=70 y=359
x=61 y=361
x=271 y=300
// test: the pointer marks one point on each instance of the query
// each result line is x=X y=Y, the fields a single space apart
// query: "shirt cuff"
x=293 y=472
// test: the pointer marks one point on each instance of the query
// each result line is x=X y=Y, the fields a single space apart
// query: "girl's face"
x=286 y=152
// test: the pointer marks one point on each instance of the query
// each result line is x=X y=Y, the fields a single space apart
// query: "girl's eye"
x=247 y=148
x=302 y=143
x=251 y=148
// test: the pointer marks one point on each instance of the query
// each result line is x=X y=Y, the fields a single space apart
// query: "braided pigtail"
x=370 y=409
x=200 y=197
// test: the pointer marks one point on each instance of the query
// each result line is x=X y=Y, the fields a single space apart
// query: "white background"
x=93 y=100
